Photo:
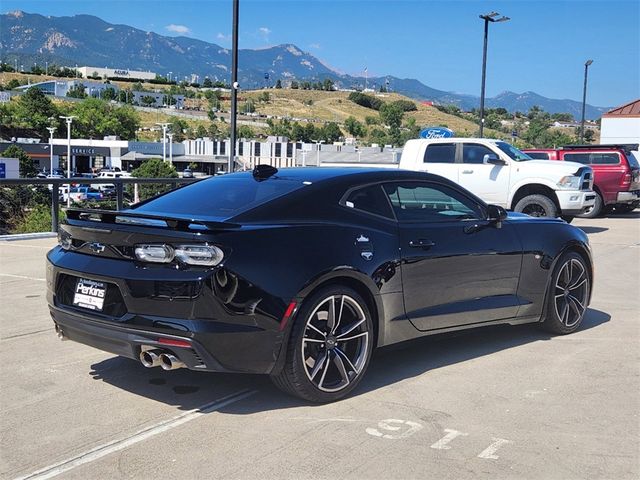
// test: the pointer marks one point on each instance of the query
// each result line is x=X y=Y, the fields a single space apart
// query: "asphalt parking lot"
x=508 y=402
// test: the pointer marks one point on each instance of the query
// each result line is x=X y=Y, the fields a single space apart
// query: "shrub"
x=366 y=101
x=37 y=219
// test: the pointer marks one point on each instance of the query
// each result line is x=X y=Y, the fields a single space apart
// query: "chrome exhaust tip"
x=60 y=333
x=170 y=362
x=151 y=358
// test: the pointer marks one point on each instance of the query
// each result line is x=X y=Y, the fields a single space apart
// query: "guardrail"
x=118 y=182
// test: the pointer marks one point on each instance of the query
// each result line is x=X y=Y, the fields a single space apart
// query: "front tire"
x=537 y=206
x=568 y=295
x=330 y=346
x=596 y=210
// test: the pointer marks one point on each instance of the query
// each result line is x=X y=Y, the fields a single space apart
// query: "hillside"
x=30 y=38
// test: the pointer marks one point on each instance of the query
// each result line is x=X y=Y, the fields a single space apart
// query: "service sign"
x=436 y=132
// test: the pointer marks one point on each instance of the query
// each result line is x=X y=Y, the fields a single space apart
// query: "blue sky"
x=542 y=48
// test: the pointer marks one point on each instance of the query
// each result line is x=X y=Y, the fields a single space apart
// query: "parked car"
x=187 y=173
x=109 y=173
x=301 y=273
x=501 y=174
x=81 y=193
x=615 y=169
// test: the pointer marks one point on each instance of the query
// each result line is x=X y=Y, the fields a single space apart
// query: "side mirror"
x=493 y=159
x=496 y=215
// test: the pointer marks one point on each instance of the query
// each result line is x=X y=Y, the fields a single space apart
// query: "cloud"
x=263 y=33
x=222 y=37
x=181 y=29
x=315 y=46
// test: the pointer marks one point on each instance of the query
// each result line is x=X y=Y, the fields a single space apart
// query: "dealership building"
x=622 y=124
x=115 y=73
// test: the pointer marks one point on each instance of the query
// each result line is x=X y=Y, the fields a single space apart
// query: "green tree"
x=294 y=85
x=201 y=131
x=148 y=100
x=354 y=127
x=13 y=83
x=330 y=132
x=154 y=168
x=34 y=110
x=213 y=131
x=245 y=131
x=77 y=91
x=391 y=115
x=207 y=83
x=109 y=94
x=27 y=168
x=327 y=84
x=177 y=126
x=97 y=118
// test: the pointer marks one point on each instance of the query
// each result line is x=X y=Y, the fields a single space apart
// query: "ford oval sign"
x=436 y=132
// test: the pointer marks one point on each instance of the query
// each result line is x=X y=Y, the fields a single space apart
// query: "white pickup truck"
x=500 y=174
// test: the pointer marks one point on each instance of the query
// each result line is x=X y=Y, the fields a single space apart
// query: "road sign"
x=3 y=170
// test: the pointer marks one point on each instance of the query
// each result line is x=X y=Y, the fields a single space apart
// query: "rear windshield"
x=224 y=196
x=539 y=155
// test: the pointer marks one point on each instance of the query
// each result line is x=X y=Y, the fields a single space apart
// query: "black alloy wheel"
x=330 y=346
x=568 y=295
x=536 y=206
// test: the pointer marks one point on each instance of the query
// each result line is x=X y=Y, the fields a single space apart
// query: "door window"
x=371 y=199
x=425 y=202
x=440 y=153
x=472 y=153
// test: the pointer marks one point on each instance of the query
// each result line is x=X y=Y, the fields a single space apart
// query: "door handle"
x=422 y=243
x=467 y=171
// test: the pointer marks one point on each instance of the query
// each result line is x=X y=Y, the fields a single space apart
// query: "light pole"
x=68 y=119
x=164 y=140
x=234 y=84
x=170 y=135
x=318 y=145
x=488 y=18
x=46 y=68
x=170 y=76
x=584 y=98
x=51 y=130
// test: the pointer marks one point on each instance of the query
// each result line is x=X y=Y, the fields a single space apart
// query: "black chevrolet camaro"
x=301 y=273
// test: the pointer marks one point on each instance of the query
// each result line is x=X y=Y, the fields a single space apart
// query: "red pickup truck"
x=615 y=169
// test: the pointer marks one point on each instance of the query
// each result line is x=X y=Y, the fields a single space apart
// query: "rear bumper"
x=227 y=330
x=575 y=202
x=628 y=197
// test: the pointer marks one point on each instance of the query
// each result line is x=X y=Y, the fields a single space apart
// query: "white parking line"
x=22 y=277
x=493 y=448
x=116 y=445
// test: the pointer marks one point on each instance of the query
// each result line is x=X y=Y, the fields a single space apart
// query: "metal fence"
x=117 y=182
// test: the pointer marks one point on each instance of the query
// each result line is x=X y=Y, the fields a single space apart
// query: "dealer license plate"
x=89 y=294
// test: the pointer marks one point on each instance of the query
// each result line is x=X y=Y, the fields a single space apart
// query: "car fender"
x=529 y=181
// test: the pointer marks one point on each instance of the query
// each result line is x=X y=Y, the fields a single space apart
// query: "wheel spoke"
x=350 y=328
x=326 y=369
x=578 y=304
x=343 y=355
x=346 y=339
x=318 y=365
x=566 y=275
x=331 y=318
x=310 y=325
x=565 y=312
x=578 y=285
x=312 y=340
x=337 y=360
x=337 y=320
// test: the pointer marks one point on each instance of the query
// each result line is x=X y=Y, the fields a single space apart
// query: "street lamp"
x=164 y=140
x=234 y=84
x=488 y=18
x=68 y=119
x=170 y=135
x=584 y=98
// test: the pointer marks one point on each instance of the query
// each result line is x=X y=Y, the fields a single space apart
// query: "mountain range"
x=87 y=40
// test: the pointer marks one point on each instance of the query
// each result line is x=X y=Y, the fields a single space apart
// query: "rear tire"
x=568 y=295
x=329 y=347
x=537 y=206
x=596 y=210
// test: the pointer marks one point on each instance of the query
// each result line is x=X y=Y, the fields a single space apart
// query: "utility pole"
x=68 y=119
x=234 y=85
x=584 y=98
x=51 y=130
x=170 y=135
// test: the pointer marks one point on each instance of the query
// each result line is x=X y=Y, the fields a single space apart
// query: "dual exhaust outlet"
x=160 y=358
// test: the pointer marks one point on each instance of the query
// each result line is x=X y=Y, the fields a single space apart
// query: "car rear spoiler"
x=125 y=217
x=626 y=147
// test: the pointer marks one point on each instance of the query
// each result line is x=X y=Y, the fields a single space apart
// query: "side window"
x=538 y=155
x=440 y=153
x=474 y=153
x=583 y=158
x=605 y=158
x=370 y=199
x=426 y=202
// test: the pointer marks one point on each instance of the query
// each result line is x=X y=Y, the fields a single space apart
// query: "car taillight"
x=208 y=255
x=626 y=180
x=154 y=253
